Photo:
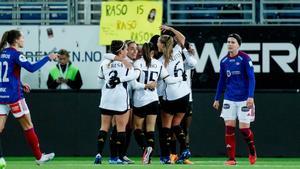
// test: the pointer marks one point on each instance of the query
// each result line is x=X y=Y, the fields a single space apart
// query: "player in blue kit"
x=11 y=90
x=237 y=78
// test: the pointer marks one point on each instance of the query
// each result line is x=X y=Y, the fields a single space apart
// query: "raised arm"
x=190 y=61
x=178 y=35
x=23 y=62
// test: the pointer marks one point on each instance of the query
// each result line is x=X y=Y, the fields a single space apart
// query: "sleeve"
x=137 y=85
x=23 y=62
x=51 y=83
x=101 y=83
x=172 y=80
x=177 y=49
x=251 y=77
x=77 y=83
x=164 y=75
x=101 y=80
x=221 y=83
x=130 y=75
x=190 y=62
x=109 y=56
x=137 y=68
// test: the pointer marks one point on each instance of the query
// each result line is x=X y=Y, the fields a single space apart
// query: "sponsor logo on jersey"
x=236 y=72
x=237 y=63
x=226 y=106
x=22 y=58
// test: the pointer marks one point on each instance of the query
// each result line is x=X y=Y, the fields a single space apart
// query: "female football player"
x=11 y=95
x=237 y=78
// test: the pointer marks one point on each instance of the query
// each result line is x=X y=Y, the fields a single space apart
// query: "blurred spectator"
x=64 y=75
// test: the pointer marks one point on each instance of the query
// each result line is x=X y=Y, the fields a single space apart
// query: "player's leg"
x=20 y=111
x=180 y=107
x=139 y=134
x=4 y=109
x=129 y=127
x=150 y=128
x=121 y=122
x=112 y=141
x=106 y=119
x=229 y=114
x=185 y=124
x=181 y=137
x=166 y=137
x=246 y=116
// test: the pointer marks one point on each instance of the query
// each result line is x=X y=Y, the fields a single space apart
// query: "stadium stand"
x=176 y=12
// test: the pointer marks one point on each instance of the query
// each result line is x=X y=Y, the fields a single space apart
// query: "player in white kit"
x=175 y=96
x=189 y=64
x=114 y=78
x=145 y=102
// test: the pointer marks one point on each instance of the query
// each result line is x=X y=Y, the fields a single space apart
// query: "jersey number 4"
x=3 y=72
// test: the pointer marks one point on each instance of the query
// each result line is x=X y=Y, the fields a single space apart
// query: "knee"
x=231 y=123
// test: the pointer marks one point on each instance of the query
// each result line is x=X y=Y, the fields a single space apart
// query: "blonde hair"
x=168 y=47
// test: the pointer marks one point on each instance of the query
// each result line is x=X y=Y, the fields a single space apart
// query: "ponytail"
x=168 y=47
x=9 y=37
x=146 y=50
x=3 y=41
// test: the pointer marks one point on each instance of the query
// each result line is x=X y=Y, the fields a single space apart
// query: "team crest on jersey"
x=228 y=73
x=22 y=58
x=237 y=63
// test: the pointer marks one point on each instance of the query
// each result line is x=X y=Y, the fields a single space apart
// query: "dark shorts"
x=112 y=112
x=189 y=111
x=176 y=106
x=149 y=109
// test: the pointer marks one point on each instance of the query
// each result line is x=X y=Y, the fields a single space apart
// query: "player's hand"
x=127 y=64
x=114 y=81
x=165 y=28
x=64 y=80
x=26 y=88
x=53 y=56
x=216 y=104
x=250 y=103
x=151 y=85
x=59 y=80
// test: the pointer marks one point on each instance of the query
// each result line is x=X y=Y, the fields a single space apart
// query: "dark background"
x=276 y=79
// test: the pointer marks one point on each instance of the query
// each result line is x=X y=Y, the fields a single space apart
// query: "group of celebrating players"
x=157 y=87
x=139 y=93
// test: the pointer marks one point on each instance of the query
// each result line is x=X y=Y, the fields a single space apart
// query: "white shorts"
x=18 y=109
x=232 y=110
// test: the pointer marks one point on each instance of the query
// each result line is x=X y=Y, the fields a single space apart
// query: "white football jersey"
x=189 y=64
x=155 y=72
x=161 y=85
x=189 y=81
x=114 y=97
x=176 y=68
